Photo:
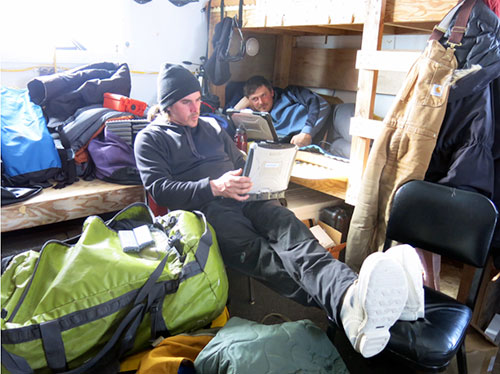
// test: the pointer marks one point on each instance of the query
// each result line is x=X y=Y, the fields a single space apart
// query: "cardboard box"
x=481 y=353
x=329 y=238
x=323 y=238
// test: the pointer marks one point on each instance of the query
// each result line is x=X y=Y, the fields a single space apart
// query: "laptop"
x=269 y=165
x=258 y=125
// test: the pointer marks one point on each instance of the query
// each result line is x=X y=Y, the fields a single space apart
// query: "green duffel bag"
x=80 y=308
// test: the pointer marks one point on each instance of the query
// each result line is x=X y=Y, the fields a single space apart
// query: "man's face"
x=186 y=111
x=262 y=99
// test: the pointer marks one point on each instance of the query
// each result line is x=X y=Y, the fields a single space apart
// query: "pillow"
x=340 y=141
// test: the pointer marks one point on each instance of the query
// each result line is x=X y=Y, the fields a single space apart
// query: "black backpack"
x=217 y=66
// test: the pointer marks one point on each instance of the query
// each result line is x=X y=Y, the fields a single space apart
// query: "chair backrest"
x=454 y=223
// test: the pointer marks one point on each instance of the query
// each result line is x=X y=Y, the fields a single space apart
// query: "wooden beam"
x=282 y=60
x=365 y=98
x=321 y=30
x=332 y=187
x=386 y=60
x=399 y=14
x=410 y=11
x=366 y=128
x=216 y=3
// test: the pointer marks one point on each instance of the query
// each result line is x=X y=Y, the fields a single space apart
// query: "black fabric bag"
x=11 y=195
x=217 y=66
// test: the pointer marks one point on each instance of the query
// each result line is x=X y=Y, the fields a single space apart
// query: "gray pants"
x=266 y=241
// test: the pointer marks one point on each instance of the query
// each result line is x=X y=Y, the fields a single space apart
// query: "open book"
x=269 y=165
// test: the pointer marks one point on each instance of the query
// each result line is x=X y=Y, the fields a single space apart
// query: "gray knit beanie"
x=174 y=83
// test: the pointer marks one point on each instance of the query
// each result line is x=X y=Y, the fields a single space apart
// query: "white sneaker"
x=410 y=261
x=374 y=303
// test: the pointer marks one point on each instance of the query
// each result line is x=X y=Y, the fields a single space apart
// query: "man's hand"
x=232 y=185
x=301 y=140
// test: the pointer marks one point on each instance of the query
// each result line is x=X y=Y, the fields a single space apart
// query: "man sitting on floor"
x=298 y=113
x=187 y=163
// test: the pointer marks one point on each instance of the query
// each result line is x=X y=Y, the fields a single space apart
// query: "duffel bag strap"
x=53 y=346
x=15 y=364
x=129 y=324
x=131 y=316
x=158 y=325
x=205 y=241
x=202 y=252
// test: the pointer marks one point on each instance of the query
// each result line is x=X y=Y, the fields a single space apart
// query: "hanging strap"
x=240 y=14
x=464 y=10
x=209 y=8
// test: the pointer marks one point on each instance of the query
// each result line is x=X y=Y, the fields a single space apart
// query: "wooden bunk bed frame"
x=367 y=71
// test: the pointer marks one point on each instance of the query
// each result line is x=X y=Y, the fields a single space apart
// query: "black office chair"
x=454 y=223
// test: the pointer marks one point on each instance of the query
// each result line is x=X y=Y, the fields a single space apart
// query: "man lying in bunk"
x=187 y=163
x=298 y=114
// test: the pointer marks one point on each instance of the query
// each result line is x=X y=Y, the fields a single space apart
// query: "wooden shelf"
x=78 y=200
x=321 y=173
x=327 y=17
x=307 y=203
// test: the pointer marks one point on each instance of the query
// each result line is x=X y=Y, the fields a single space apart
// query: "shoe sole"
x=409 y=259
x=383 y=292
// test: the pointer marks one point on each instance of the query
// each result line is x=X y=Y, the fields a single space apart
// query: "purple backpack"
x=114 y=159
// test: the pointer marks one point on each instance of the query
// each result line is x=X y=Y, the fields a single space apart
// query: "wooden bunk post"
x=277 y=23
x=282 y=60
x=365 y=97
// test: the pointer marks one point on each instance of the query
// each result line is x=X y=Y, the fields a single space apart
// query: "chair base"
x=430 y=343
x=380 y=364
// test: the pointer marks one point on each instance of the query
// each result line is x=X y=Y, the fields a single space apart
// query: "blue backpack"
x=29 y=156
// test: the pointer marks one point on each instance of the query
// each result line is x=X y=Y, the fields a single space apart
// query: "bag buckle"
x=438 y=28
x=453 y=45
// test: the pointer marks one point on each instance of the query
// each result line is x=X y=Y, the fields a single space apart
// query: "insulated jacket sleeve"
x=154 y=168
x=318 y=108
x=463 y=156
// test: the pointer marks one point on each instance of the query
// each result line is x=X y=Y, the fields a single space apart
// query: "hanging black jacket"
x=467 y=153
x=480 y=44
